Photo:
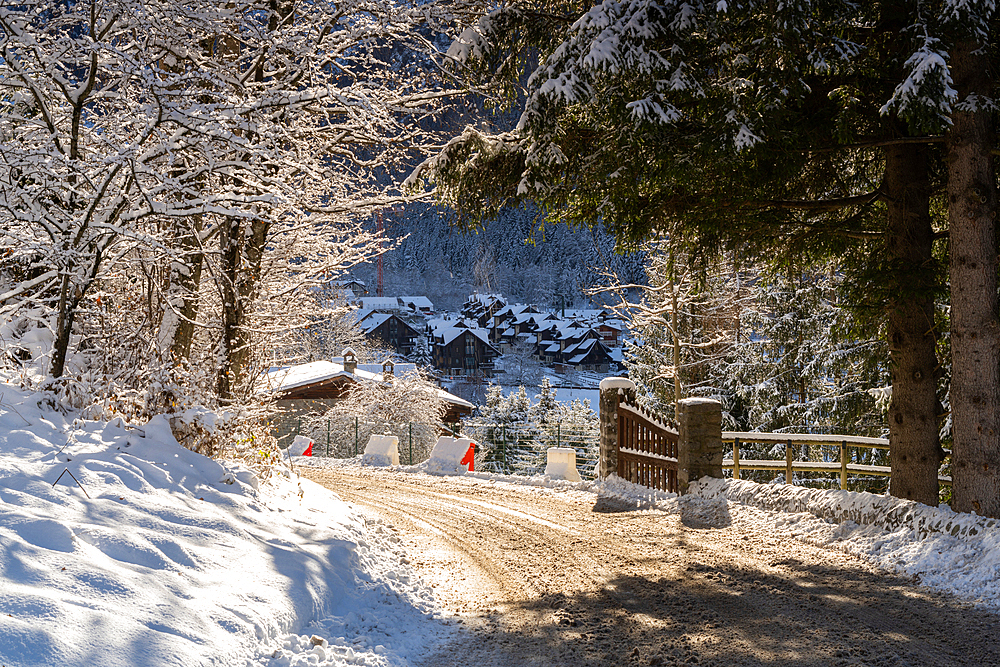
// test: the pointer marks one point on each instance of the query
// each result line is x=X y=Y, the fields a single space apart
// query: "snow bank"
x=381 y=450
x=885 y=512
x=949 y=551
x=212 y=567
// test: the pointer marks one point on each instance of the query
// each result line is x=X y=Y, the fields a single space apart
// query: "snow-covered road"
x=564 y=577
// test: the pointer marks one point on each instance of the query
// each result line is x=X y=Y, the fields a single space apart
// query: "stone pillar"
x=699 y=446
x=611 y=390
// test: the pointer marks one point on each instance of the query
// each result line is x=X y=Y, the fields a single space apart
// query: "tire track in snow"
x=551 y=578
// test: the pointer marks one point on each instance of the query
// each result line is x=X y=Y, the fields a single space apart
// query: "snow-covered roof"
x=534 y=318
x=380 y=303
x=486 y=299
x=418 y=302
x=435 y=323
x=287 y=378
x=374 y=321
x=513 y=309
x=580 y=349
x=449 y=335
x=397 y=369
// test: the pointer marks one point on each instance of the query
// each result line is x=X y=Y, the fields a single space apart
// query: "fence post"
x=609 y=398
x=355 y=435
x=843 y=464
x=503 y=447
x=788 y=463
x=699 y=441
x=328 y=436
x=411 y=443
x=736 y=458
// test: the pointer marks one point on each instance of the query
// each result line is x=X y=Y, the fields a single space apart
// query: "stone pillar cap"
x=695 y=400
x=616 y=383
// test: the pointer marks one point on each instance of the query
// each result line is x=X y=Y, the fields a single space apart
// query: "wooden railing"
x=796 y=440
x=648 y=444
x=647 y=448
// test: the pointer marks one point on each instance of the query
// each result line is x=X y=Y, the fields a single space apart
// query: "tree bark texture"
x=242 y=252
x=180 y=309
x=975 y=331
x=915 y=452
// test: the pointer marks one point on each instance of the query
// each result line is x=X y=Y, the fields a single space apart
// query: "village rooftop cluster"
x=469 y=343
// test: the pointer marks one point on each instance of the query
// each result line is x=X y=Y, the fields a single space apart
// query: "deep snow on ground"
x=160 y=556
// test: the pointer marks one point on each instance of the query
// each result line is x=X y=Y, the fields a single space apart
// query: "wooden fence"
x=792 y=441
x=647 y=448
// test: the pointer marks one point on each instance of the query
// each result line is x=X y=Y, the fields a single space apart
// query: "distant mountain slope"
x=446 y=265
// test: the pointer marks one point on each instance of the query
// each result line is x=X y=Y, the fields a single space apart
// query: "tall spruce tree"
x=741 y=125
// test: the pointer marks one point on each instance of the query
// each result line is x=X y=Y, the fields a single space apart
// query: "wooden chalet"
x=391 y=330
x=460 y=350
x=311 y=389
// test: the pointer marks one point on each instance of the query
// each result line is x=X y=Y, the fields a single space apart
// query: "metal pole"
x=558 y=435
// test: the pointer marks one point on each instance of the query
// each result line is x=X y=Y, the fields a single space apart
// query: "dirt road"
x=553 y=578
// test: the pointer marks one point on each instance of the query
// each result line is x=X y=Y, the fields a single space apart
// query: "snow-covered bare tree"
x=213 y=155
x=685 y=325
x=408 y=398
x=520 y=367
x=409 y=406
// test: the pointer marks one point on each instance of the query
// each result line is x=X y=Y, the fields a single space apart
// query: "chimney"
x=350 y=361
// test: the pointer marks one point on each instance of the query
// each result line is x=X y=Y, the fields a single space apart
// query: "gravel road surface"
x=566 y=578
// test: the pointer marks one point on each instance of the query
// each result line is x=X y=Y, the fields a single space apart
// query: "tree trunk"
x=975 y=332
x=241 y=264
x=915 y=451
x=181 y=307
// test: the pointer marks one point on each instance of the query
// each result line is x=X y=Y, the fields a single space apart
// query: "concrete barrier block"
x=381 y=450
x=560 y=463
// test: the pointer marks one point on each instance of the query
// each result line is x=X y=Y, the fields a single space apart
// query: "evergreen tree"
x=796 y=370
x=546 y=407
x=749 y=126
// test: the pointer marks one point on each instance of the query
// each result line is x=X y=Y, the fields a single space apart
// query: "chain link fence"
x=511 y=449
x=519 y=448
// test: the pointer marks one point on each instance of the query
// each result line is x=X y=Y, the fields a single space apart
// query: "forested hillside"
x=549 y=268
